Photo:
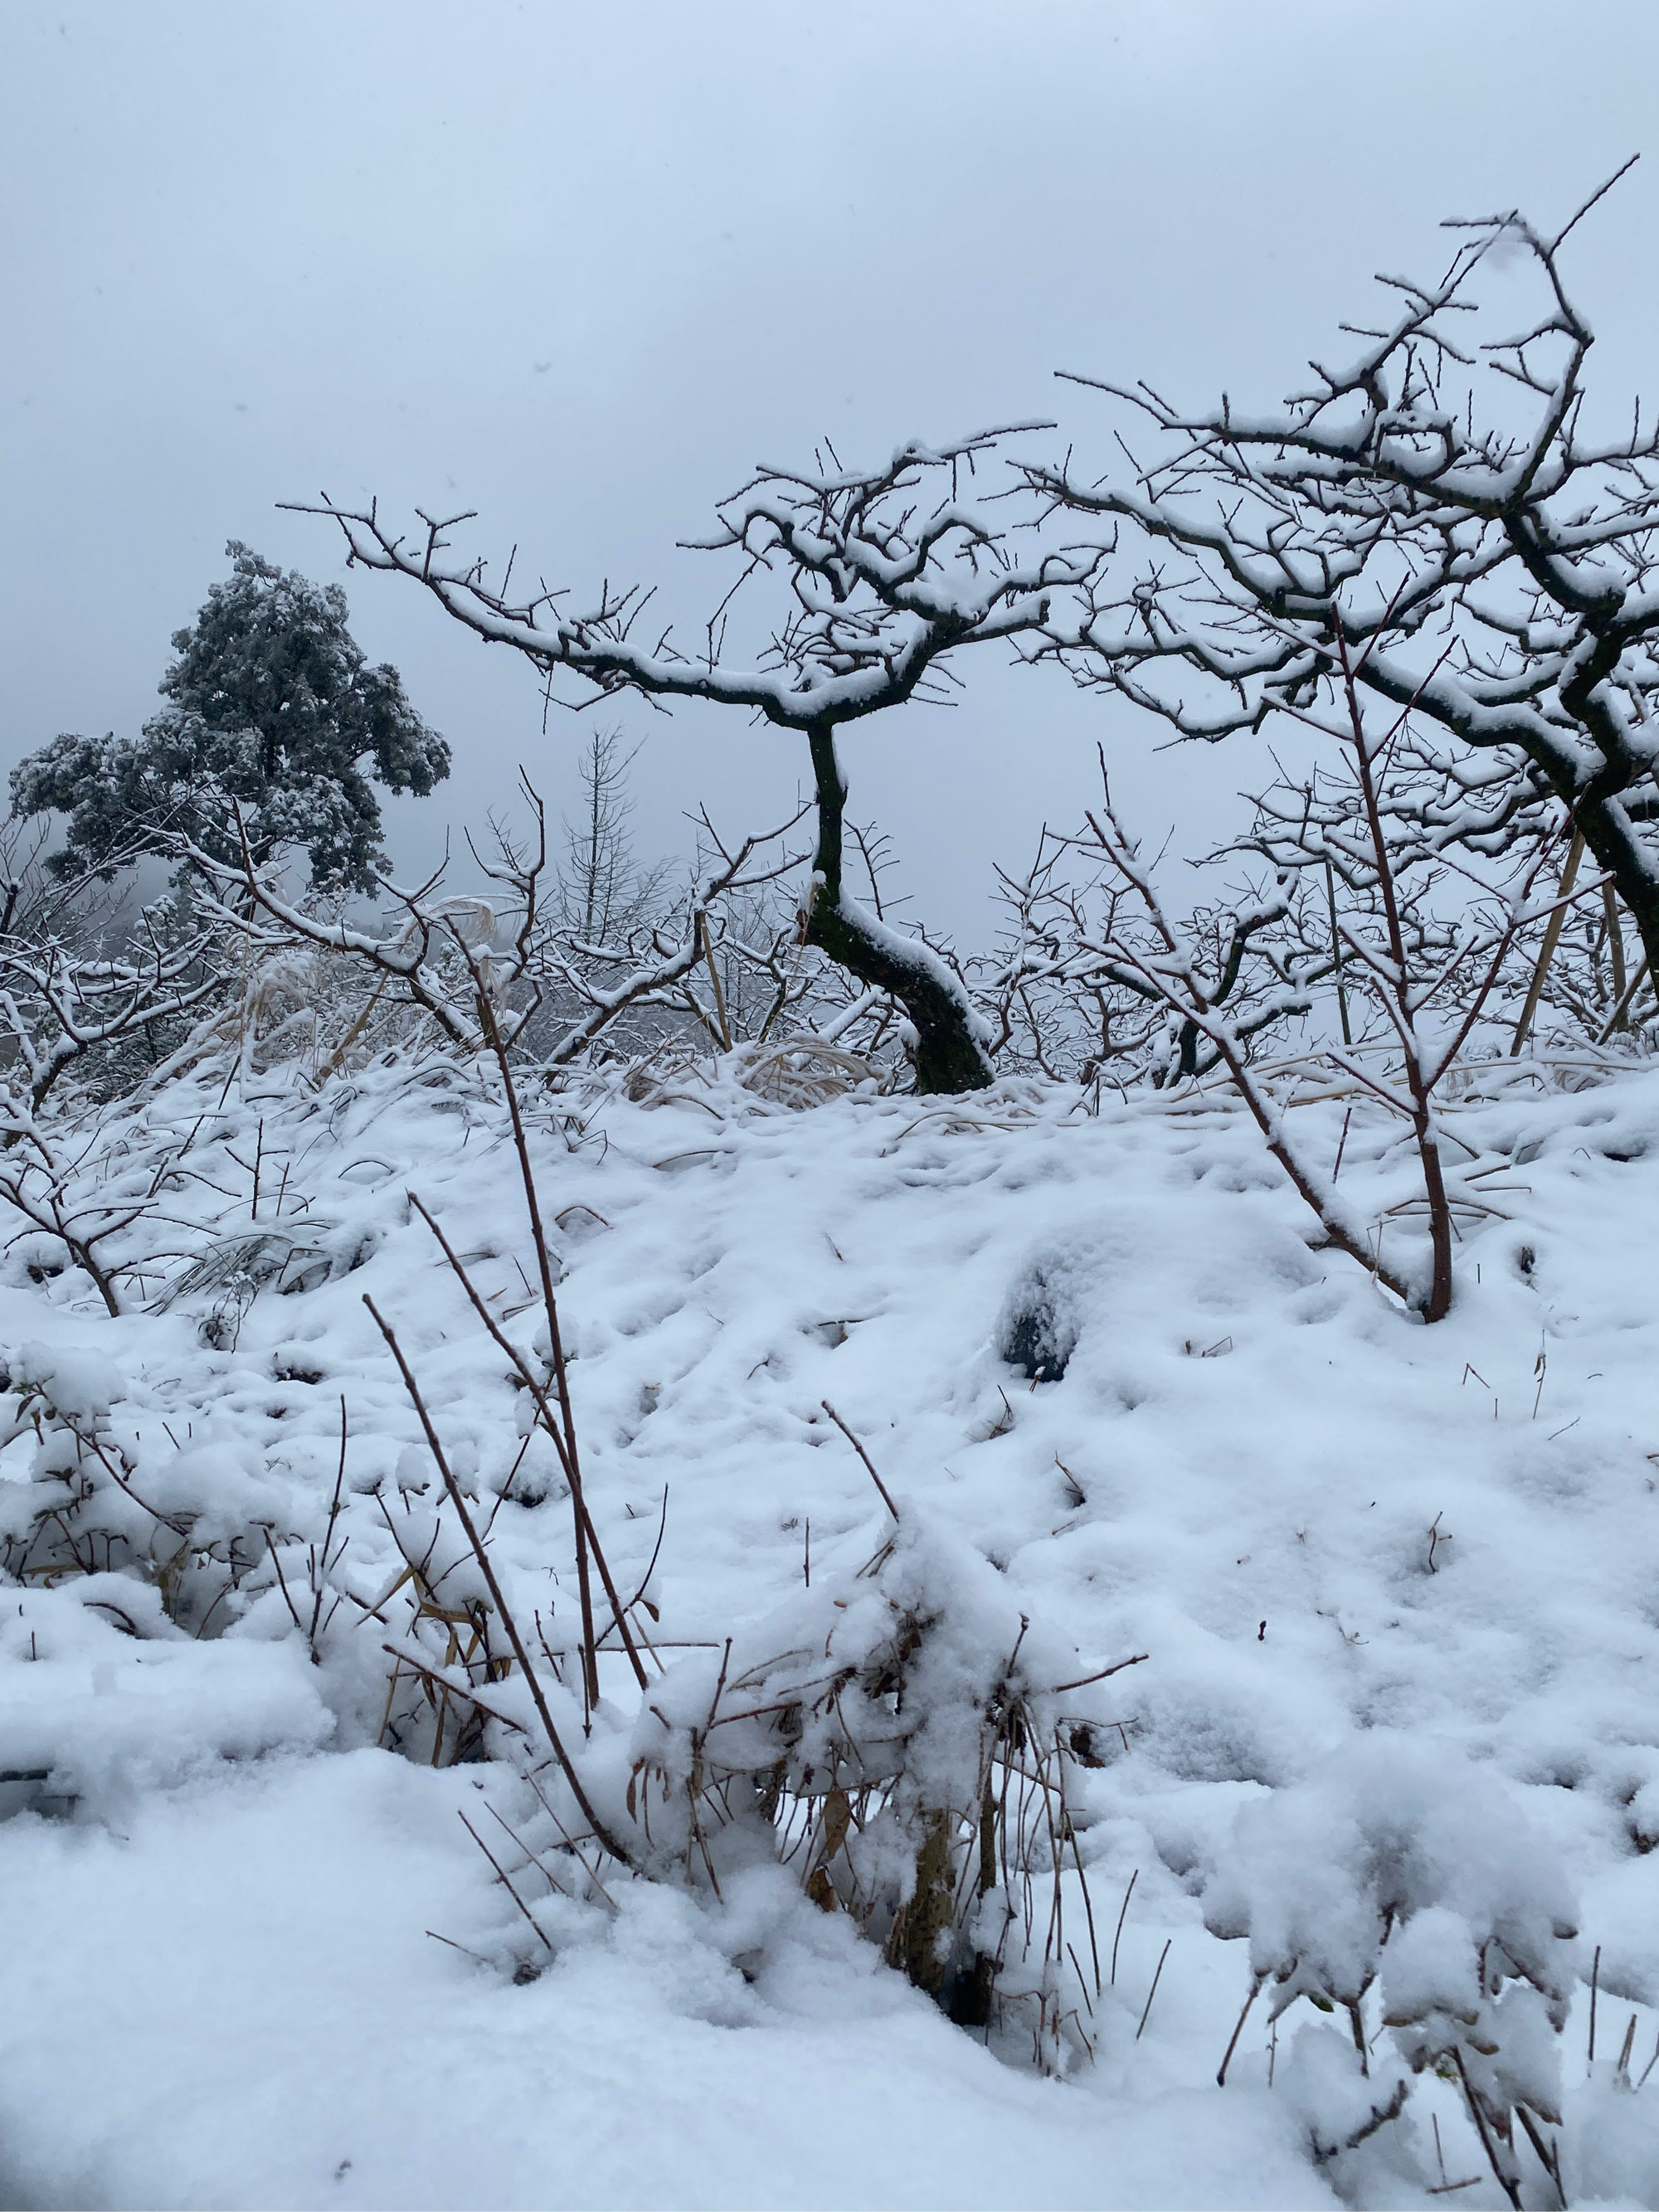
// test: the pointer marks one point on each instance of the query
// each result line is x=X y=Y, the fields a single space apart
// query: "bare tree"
x=1460 y=539
x=604 y=891
x=890 y=572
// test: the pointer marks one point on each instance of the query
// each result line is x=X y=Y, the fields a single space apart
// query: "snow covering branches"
x=1431 y=987
x=1429 y=979
x=59 y=1006
x=1070 y=992
x=470 y=967
x=889 y=572
x=1436 y=517
x=1164 y=968
x=1462 y=536
x=1396 y=1862
x=83 y=988
x=899 y=1738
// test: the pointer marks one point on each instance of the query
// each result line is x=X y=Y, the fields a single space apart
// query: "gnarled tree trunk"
x=949 y=1052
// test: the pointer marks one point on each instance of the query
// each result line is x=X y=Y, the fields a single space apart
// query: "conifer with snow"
x=276 y=728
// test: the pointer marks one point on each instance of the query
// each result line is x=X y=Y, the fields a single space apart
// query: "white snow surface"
x=1354 y=1549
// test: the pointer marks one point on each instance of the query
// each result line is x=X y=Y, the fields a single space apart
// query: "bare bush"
x=465 y=967
x=1426 y=980
x=84 y=988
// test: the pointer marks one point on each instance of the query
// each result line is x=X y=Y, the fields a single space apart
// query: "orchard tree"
x=276 y=728
x=1435 y=521
x=888 y=574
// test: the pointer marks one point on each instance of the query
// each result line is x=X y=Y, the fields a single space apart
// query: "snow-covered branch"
x=1453 y=533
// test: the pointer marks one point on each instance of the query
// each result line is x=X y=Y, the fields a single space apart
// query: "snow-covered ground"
x=1380 y=1572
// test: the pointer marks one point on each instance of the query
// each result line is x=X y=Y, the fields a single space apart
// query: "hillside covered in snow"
x=1060 y=1602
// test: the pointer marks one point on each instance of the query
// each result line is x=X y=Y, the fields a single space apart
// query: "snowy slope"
x=1353 y=1549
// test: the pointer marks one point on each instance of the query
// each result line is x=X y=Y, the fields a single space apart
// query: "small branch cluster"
x=465 y=969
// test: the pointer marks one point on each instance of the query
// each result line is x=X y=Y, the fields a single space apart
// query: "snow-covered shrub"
x=802 y=1071
x=300 y=1006
x=75 y=1513
x=1401 y=1866
x=899 y=1741
x=1043 y=1313
x=192 y=1524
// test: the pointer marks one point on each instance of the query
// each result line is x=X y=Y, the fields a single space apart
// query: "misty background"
x=581 y=267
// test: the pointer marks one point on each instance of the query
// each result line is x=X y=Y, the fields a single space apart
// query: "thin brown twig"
x=502 y=1876
x=1121 y=1917
x=886 y=1496
x=527 y=1376
x=1158 y=1973
x=508 y=1623
x=328 y=1540
x=1117 y=1667
x=1256 y=1981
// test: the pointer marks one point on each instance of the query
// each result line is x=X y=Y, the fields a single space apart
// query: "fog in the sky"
x=578 y=266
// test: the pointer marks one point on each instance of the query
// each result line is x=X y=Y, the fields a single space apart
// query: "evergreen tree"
x=272 y=711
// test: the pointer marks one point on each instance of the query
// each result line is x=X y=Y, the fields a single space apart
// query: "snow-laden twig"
x=1455 y=544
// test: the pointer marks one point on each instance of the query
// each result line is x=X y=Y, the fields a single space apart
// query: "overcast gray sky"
x=580 y=266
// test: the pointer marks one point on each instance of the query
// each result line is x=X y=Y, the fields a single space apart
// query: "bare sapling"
x=602 y=894
x=1429 y=984
x=1167 y=966
x=1432 y=1004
